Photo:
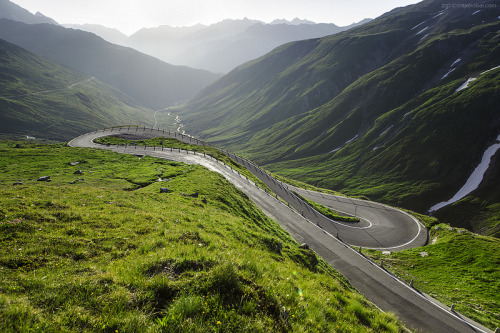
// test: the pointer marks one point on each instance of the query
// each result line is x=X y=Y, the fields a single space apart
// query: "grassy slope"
x=381 y=85
x=460 y=268
x=110 y=253
x=60 y=113
x=415 y=148
x=171 y=143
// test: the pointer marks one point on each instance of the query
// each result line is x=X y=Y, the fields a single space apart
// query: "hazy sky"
x=130 y=15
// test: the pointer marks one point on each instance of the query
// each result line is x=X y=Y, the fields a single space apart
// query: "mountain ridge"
x=11 y=11
x=42 y=99
x=221 y=46
x=150 y=81
x=332 y=111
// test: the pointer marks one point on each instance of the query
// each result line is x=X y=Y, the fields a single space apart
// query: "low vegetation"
x=457 y=267
x=99 y=248
x=328 y=212
x=173 y=143
x=42 y=99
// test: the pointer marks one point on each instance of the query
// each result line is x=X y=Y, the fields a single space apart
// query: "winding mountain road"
x=45 y=92
x=381 y=227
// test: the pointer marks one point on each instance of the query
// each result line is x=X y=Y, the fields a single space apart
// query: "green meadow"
x=99 y=248
x=457 y=267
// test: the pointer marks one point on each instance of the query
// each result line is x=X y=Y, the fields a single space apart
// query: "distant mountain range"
x=388 y=110
x=218 y=47
x=150 y=81
x=42 y=99
x=11 y=11
x=108 y=34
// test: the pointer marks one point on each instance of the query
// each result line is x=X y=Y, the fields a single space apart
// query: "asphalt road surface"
x=381 y=227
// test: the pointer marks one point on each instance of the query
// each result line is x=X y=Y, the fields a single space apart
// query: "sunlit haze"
x=129 y=16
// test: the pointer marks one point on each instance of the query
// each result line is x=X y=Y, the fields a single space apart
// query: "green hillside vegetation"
x=152 y=82
x=458 y=267
x=328 y=212
x=372 y=111
x=98 y=248
x=411 y=162
x=172 y=143
x=42 y=99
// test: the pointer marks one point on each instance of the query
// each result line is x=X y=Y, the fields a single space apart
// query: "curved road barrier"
x=381 y=227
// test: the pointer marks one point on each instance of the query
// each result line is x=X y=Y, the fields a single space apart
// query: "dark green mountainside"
x=372 y=111
x=42 y=99
x=150 y=81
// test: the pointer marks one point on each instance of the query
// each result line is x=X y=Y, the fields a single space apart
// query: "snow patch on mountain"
x=489 y=70
x=386 y=130
x=418 y=25
x=349 y=141
x=456 y=62
x=466 y=84
x=451 y=70
x=439 y=14
x=418 y=33
x=474 y=179
x=423 y=37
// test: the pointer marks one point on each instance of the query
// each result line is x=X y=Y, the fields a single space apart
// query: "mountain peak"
x=11 y=11
x=295 y=21
x=45 y=18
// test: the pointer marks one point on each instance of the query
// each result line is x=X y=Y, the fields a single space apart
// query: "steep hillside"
x=109 y=253
x=375 y=110
x=150 y=81
x=42 y=99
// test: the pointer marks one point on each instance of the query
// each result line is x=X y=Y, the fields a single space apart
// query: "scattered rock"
x=193 y=195
x=386 y=253
x=165 y=190
x=461 y=231
x=72 y=182
x=204 y=199
x=18 y=183
x=74 y=163
x=78 y=172
x=451 y=229
x=304 y=246
x=424 y=254
x=438 y=228
x=44 y=179
x=434 y=240
x=18 y=146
